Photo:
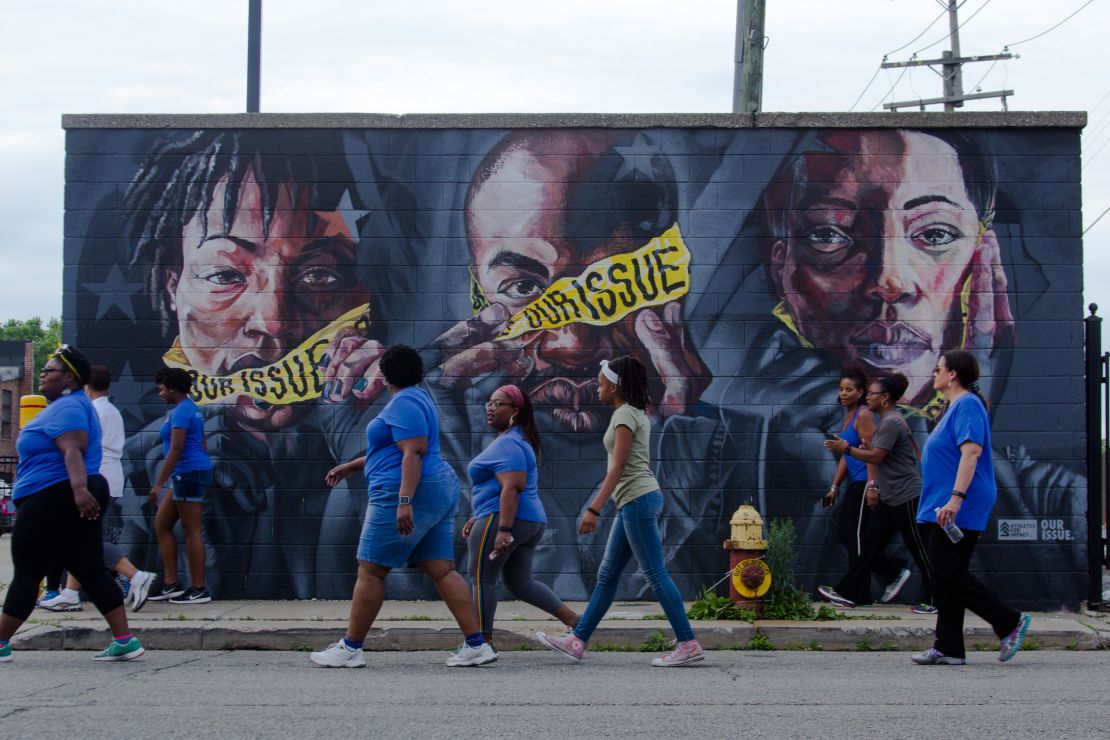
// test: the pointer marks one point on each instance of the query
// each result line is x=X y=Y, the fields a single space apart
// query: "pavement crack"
x=159 y=669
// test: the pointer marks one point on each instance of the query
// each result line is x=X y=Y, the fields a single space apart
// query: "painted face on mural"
x=530 y=222
x=881 y=241
x=247 y=295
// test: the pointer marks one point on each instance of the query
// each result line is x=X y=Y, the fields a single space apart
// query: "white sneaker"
x=339 y=655
x=65 y=601
x=895 y=586
x=468 y=656
x=140 y=589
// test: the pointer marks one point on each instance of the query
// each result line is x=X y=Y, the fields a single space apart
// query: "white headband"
x=609 y=373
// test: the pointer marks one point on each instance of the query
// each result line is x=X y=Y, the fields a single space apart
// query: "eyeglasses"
x=494 y=405
x=47 y=370
x=874 y=393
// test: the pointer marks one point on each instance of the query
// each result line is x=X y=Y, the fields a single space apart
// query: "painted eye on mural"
x=827 y=239
x=936 y=236
x=316 y=278
x=221 y=276
x=521 y=289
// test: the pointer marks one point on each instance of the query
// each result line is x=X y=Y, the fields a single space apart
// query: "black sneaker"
x=193 y=596
x=167 y=592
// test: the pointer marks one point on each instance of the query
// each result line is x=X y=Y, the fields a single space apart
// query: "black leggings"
x=886 y=521
x=852 y=516
x=49 y=531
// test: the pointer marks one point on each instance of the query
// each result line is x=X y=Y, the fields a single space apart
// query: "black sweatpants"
x=852 y=516
x=885 y=521
x=49 y=531
x=957 y=590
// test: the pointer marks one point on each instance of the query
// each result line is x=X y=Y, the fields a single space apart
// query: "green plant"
x=657 y=616
x=982 y=647
x=760 y=641
x=864 y=644
x=784 y=600
x=709 y=605
x=826 y=613
x=887 y=646
x=1030 y=643
x=301 y=646
x=612 y=647
x=1072 y=645
x=656 y=643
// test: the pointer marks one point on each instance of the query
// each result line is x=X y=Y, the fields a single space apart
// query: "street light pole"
x=254 y=54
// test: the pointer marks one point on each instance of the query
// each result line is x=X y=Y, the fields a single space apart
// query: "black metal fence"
x=7 y=479
x=1098 y=457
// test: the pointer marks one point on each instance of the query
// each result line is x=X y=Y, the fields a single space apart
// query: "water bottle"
x=955 y=534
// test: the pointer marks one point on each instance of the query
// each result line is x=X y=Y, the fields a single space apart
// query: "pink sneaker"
x=569 y=646
x=684 y=653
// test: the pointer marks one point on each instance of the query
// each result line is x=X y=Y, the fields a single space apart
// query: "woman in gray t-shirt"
x=629 y=481
x=893 y=493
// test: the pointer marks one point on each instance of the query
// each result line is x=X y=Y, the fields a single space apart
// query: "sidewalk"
x=427 y=625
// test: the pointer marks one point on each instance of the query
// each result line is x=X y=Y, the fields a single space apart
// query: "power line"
x=891 y=90
x=1095 y=221
x=1053 y=28
x=961 y=25
x=893 y=51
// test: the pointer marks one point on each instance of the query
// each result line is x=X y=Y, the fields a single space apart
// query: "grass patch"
x=982 y=647
x=301 y=646
x=658 y=616
x=872 y=617
x=760 y=641
x=826 y=613
x=887 y=646
x=409 y=618
x=611 y=647
x=1030 y=643
x=1072 y=644
x=864 y=645
x=709 y=605
x=658 y=642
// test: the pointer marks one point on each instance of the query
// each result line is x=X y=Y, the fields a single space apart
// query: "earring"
x=512 y=420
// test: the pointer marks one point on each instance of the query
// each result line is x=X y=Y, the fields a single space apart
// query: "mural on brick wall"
x=745 y=268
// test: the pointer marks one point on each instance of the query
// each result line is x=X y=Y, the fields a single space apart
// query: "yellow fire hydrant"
x=751 y=578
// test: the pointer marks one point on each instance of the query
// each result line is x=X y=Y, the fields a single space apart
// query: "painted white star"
x=636 y=158
x=350 y=214
x=114 y=291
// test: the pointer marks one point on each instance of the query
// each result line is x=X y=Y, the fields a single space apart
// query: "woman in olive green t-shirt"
x=629 y=481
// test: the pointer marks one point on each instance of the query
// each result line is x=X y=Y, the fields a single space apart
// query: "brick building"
x=17 y=376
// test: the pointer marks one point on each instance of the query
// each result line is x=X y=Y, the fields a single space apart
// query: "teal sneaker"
x=115 y=651
x=5 y=653
x=1009 y=645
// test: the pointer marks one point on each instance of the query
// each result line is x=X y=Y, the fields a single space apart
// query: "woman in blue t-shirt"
x=60 y=494
x=508 y=520
x=958 y=489
x=414 y=497
x=186 y=461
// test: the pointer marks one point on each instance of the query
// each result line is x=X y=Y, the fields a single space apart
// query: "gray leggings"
x=514 y=568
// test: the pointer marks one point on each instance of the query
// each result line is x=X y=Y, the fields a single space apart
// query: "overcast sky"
x=127 y=56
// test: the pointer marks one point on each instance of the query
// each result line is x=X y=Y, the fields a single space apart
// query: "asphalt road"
x=527 y=694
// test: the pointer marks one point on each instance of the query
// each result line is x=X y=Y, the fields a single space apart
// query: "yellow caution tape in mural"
x=610 y=289
x=296 y=377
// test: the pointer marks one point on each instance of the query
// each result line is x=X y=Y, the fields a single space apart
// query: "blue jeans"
x=636 y=532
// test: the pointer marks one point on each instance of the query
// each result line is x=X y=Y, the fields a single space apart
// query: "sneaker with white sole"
x=193 y=596
x=832 y=596
x=140 y=589
x=932 y=656
x=65 y=601
x=1009 y=645
x=570 y=646
x=167 y=592
x=895 y=587
x=338 y=655
x=470 y=656
x=46 y=596
x=684 y=653
x=923 y=609
x=121 y=651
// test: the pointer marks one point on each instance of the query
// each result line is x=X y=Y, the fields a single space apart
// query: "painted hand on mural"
x=470 y=352
x=352 y=368
x=662 y=333
x=989 y=318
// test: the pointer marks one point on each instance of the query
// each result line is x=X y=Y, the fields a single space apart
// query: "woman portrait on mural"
x=252 y=265
x=877 y=248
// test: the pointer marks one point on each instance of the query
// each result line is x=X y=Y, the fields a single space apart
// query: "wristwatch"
x=405 y=501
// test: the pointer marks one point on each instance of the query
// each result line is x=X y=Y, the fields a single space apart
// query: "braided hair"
x=633 y=381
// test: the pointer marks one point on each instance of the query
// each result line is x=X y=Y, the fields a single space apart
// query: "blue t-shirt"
x=186 y=415
x=410 y=413
x=41 y=463
x=965 y=421
x=509 y=452
x=857 y=469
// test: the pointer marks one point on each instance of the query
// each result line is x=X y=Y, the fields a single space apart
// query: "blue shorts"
x=191 y=487
x=434 y=506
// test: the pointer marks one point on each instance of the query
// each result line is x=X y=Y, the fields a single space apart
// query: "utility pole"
x=747 y=87
x=254 y=54
x=951 y=64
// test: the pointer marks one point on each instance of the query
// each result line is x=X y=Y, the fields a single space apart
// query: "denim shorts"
x=191 y=487
x=434 y=506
